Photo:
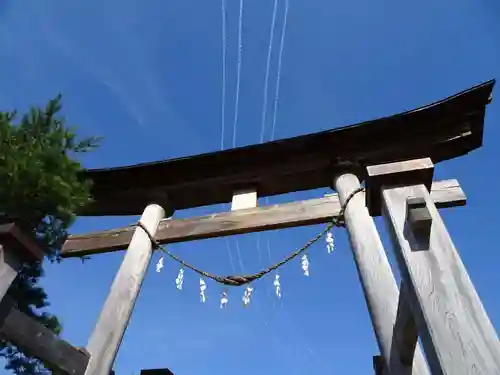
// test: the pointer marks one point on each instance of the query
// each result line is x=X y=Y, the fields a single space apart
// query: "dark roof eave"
x=442 y=130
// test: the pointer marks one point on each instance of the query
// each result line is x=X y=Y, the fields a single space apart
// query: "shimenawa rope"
x=238 y=280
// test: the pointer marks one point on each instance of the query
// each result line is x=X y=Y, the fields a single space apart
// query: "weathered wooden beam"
x=406 y=172
x=38 y=341
x=20 y=243
x=446 y=193
x=16 y=327
x=457 y=335
x=115 y=315
x=15 y=248
x=375 y=274
x=9 y=266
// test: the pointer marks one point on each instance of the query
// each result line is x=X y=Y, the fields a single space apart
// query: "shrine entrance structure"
x=395 y=158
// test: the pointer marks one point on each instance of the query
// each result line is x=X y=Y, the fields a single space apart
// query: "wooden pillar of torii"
x=108 y=332
x=377 y=280
x=437 y=301
x=440 y=303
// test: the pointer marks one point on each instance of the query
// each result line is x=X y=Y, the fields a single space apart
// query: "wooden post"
x=112 y=323
x=15 y=248
x=16 y=327
x=36 y=340
x=456 y=334
x=9 y=265
x=379 y=286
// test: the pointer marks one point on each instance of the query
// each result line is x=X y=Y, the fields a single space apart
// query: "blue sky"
x=147 y=76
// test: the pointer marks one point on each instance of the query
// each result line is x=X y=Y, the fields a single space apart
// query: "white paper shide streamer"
x=305 y=265
x=159 y=264
x=224 y=300
x=180 y=279
x=277 y=286
x=247 y=295
x=330 y=245
x=203 y=287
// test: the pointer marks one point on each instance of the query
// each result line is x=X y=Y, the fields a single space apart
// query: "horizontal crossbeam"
x=40 y=342
x=446 y=193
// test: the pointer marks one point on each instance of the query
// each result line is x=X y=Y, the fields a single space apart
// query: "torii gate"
x=395 y=158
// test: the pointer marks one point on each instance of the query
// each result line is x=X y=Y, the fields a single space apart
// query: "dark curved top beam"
x=442 y=130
